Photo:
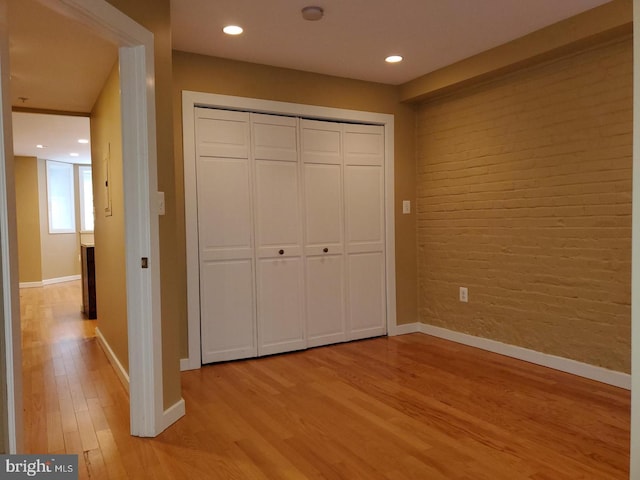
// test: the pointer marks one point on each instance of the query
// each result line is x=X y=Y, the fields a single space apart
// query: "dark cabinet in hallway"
x=88 y=281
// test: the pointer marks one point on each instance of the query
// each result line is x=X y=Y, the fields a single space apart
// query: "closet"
x=290 y=232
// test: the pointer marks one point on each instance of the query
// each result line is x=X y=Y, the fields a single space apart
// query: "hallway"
x=73 y=401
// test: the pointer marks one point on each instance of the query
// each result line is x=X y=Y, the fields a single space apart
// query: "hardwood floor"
x=409 y=407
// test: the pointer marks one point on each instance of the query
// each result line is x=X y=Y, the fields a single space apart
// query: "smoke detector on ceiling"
x=312 y=13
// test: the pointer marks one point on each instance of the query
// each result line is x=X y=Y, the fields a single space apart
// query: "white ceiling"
x=59 y=65
x=355 y=36
x=58 y=134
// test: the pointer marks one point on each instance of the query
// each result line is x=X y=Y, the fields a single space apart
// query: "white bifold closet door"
x=291 y=233
x=321 y=149
x=344 y=235
x=225 y=231
x=278 y=235
x=364 y=212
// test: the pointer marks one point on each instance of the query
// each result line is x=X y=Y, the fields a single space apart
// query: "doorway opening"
x=54 y=196
x=55 y=229
x=135 y=53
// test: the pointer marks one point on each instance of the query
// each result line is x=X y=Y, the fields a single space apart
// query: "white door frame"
x=191 y=100
x=141 y=220
x=10 y=307
x=635 y=254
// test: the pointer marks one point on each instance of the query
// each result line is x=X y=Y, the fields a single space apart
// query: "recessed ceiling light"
x=393 y=59
x=232 y=30
x=40 y=146
x=83 y=140
x=74 y=154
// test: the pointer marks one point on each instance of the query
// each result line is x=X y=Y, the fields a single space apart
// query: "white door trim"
x=10 y=303
x=635 y=255
x=141 y=222
x=191 y=100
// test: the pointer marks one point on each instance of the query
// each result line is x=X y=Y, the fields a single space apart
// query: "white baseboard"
x=603 y=375
x=185 y=365
x=404 y=329
x=172 y=414
x=122 y=374
x=51 y=281
x=599 y=374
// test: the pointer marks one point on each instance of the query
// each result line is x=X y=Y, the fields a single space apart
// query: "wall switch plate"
x=406 y=206
x=464 y=294
x=161 y=206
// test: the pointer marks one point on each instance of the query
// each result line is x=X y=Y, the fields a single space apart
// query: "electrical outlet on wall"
x=464 y=294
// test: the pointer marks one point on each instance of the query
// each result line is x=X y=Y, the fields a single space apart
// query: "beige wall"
x=524 y=197
x=42 y=256
x=106 y=148
x=28 y=219
x=155 y=16
x=215 y=75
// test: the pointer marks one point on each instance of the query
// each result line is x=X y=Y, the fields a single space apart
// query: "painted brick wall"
x=524 y=197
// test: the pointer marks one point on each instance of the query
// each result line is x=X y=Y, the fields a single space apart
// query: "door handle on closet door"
x=280 y=252
x=325 y=249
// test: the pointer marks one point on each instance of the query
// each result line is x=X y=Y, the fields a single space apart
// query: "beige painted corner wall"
x=42 y=256
x=28 y=219
x=106 y=154
x=524 y=197
x=155 y=15
x=592 y=27
x=214 y=75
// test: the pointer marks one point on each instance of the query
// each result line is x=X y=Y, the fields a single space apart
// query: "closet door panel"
x=367 y=300
x=222 y=134
x=323 y=208
x=224 y=208
x=364 y=207
x=363 y=145
x=274 y=138
x=364 y=191
x=280 y=305
x=227 y=304
x=365 y=252
x=321 y=142
x=278 y=227
x=322 y=156
x=225 y=236
x=325 y=300
x=277 y=208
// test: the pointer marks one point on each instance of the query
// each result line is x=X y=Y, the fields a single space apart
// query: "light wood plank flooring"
x=410 y=407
